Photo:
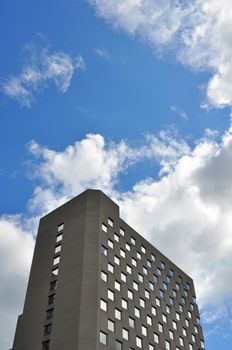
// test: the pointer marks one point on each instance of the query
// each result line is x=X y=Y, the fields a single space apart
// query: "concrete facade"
x=96 y=284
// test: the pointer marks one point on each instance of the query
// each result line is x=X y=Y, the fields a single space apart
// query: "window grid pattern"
x=151 y=279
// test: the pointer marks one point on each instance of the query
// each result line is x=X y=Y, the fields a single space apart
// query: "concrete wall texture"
x=96 y=284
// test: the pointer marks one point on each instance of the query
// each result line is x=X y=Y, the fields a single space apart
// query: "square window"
x=53 y=286
x=122 y=232
x=103 y=338
x=111 y=325
x=117 y=285
x=138 y=342
x=47 y=329
x=143 y=250
x=123 y=277
x=131 y=322
x=116 y=260
x=133 y=241
x=56 y=260
x=60 y=227
x=125 y=334
x=139 y=256
x=110 y=295
x=160 y=327
x=104 y=250
x=49 y=314
x=142 y=302
x=118 y=345
x=135 y=286
x=55 y=272
x=137 y=312
x=110 y=268
x=128 y=247
x=104 y=276
x=110 y=244
x=149 y=320
x=57 y=248
x=124 y=304
x=51 y=299
x=129 y=269
x=110 y=222
x=144 y=331
x=103 y=305
x=122 y=253
x=130 y=294
x=104 y=228
x=118 y=314
x=116 y=237
x=59 y=238
x=45 y=345
x=156 y=338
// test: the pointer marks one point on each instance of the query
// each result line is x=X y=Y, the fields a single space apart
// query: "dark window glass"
x=118 y=345
x=47 y=329
x=49 y=314
x=53 y=285
x=45 y=345
x=51 y=299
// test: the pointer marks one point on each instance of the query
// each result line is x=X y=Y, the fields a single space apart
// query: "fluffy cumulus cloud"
x=41 y=68
x=185 y=211
x=16 y=248
x=198 y=32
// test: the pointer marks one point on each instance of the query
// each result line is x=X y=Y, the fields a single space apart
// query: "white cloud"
x=198 y=32
x=102 y=52
x=41 y=69
x=16 y=248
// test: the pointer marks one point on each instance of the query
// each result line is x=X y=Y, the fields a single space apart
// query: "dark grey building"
x=96 y=284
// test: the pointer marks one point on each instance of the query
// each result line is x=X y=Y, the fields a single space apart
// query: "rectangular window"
x=160 y=327
x=162 y=265
x=152 y=257
x=104 y=250
x=56 y=260
x=118 y=314
x=167 y=345
x=47 y=329
x=122 y=253
x=123 y=277
x=164 y=318
x=137 y=312
x=135 y=286
x=53 y=286
x=128 y=247
x=110 y=222
x=148 y=263
x=131 y=322
x=140 y=278
x=103 y=276
x=139 y=256
x=133 y=241
x=157 y=301
x=144 y=331
x=60 y=227
x=151 y=347
x=110 y=268
x=110 y=295
x=103 y=305
x=129 y=269
x=116 y=260
x=174 y=325
x=168 y=309
x=51 y=299
x=125 y=334
x=117 y=285
x=156 y=338
x=130 y=294
x=59 y=238
x=181 y=341
x=124 y=304
x=45 y=345
x=104 y=228
x=110 y=244
x=116 y=237
x=149 y=320
x=138 y=342
x=118 y=345
x=151 y=286
x=49 y=314
x=153 y=310
x=134 y=262
x=122 y=232
x=171 y=334
x=143 y=249
x=111 y=325
x=103 y=338
x=144 y=270
x=57 y=248
x=142 y=302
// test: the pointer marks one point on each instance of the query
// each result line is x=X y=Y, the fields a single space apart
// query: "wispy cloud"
x=197 y=32
x=41 y=69
x=180 y=112
x=102 y=52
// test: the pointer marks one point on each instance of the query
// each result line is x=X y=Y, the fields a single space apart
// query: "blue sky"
x=133 y=98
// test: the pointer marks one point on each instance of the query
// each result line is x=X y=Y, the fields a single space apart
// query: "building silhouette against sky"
x=96 y=284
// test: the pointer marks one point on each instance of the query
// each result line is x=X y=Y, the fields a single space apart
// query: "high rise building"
x=96 y=284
